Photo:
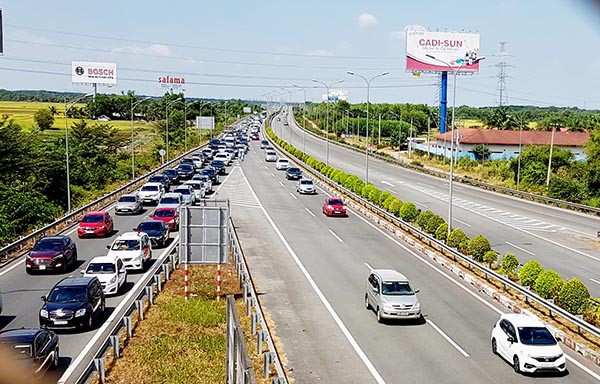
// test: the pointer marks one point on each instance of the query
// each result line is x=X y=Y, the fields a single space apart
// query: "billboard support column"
x=443 y=101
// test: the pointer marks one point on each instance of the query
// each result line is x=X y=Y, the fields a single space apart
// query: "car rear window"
x=127 y=199
x=150 y=188
x=152 y=226
x=164 y=213
x=92 y=219
x=170 y=200
x=335 y=202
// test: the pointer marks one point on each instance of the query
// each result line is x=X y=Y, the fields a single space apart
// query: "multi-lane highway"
x=560 y=239
x=317 y=275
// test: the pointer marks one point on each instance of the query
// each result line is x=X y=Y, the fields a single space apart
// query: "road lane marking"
x=280 y=183
x=595 y=281
x=369 y=266
x=391 y=190
x=336 y=236
x=266 y=167
x=272 y=174
x=462 y=222
x=387 y=183
x=361 y=354
x=17 y=264
x=294 y=196
x=421 y=204
x=309 y=211
x=448 y=339
x=519 y=248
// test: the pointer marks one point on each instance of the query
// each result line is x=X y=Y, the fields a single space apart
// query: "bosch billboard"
x=428 y=51
x=87 y=72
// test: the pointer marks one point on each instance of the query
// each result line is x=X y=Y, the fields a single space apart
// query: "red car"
x=334 y=206
x=168 y=215
x=96 y=224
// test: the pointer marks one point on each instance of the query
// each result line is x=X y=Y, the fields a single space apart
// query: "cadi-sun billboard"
x=437 y=51
x=87 y=72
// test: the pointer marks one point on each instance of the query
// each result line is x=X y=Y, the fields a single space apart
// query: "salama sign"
x=171 y=82
x=449 y=49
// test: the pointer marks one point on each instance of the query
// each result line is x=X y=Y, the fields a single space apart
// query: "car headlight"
x=44 y=313
x=329 y=207
x=59 y=255
x=387 y=307
x=80 y=312
x=417 y=306
x=172 y=221
x=113 y=280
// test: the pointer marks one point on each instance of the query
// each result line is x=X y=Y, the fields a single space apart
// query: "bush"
x=395 y=206
x=374 y=196
x=478 y=246
x=529 y=272
x=573 y=296
x=548 y=284
x=456 y=238
x=408 y=212
x=382 y=198
x=509 y=264
x=490 y=257
x=358 y=186
x=432 y=225
x=441 y=233
x=43 y=118
x=387 y=202
x=423 y=218
x=367 y=190
x=349 y=182
x=342 y=177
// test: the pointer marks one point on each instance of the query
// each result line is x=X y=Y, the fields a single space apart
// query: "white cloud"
x=153 y=50
x=319 y=52
x=366 y=20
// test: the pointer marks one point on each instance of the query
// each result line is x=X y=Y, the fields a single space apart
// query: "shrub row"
x=571 y=295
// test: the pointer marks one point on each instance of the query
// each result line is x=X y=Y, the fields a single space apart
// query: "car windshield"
x=92 y=219
x=536 y=336
x=156 y=179
x=150 y=188
x=335 y=202
x=271 y=153
x=217 y=163
x=193 y=185
x=294 y=170
x=48 y=245
x=68 y=295
x=150 y=226
x=127 y=199
x=171 y=172
x=170 y=200
x=396 y=288
x=306 y=182
x=126 y=245
x=186 y=167
x=96 y=268
x=164 y=213
x=283 y=160
x=183 y=191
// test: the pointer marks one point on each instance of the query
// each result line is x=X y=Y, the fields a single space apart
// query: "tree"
x=53 y=110
x=530 y=272
x=481 y=152
x=458 y=239
x=509 y=264
x=395 y=206
x=441 y=233
x=548 y=284
x=424 y=218
x=433 y=224
x=573 y=296
x=478 y=246
x=43 y=118
x=490 y=257
x=408 y=212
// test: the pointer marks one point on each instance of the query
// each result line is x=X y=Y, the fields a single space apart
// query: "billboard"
x=247 y=110
x=88 y=72
x=171 y=82
x=205 y=122
x=335 y=95
x=457 y=49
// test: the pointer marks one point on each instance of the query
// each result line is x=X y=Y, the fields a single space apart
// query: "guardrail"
x=255 y=312
x=112 y=343
x=239 y=365
x=465 y=180
x=447 y=251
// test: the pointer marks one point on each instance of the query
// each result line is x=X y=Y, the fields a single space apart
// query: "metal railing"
x=111 y=345
x=465 y=180
x=254 y=310
x=239 y=365
x=440 y=246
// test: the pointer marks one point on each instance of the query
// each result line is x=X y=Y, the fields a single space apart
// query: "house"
x=505 y=144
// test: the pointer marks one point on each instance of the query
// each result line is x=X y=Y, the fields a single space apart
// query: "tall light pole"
x=327 y=86
x=454 y=70
x=368 y=81
x=167 y=122
x=550 y=157
x=68 y=106
x=133 y=105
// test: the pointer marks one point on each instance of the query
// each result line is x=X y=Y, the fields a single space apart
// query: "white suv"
x=527 y=344
x=133 y=248
x=282 y=163
x=151 y=193
x=110 y=271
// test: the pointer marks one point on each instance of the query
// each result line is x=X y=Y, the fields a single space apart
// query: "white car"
x=133 y=248
x=224 y=157
x=188 y=197
x=197 y=161
x=198 y=188
x=151 y=193
x=306 y=186
x=221 y=148
x=527 y=344
x=206 y=181
x=170 y=200
x=282 y=163
x=270 y=155
x=110 y=271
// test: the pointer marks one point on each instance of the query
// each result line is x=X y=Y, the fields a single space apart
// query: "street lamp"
x=167 y=121
x=67 y=107
x=303 y=116
x=327 y=119
x=368 y=81
x=133 y=105
x=454 y=70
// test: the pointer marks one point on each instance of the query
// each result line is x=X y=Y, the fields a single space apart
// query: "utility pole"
x=379 y=139
x=549 y=158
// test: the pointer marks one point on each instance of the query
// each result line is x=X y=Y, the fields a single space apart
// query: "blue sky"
x=243 y=49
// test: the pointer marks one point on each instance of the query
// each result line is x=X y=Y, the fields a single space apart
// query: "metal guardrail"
x=445 y=250
x=239 y=365
x=255 y=312
x=143 y=298
x=466 y=180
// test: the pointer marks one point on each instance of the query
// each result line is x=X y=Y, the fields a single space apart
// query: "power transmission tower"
x=502 y=65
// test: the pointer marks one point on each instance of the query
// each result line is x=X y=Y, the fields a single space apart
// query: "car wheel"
x=494 y=347
x=65 y=266
x=516 y=365
x=56 y=359
x=367 y=305
x=379 y=318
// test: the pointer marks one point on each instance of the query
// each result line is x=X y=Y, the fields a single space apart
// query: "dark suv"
x=74 y=302
x=293 y=173
x=52 y=253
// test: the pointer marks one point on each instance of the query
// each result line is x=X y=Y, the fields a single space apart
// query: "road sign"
x=162 y=152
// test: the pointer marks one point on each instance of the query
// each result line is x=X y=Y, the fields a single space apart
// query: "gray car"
x=306 y=186
x=389 y=293
x=130 y=203
x=206 y=181
x=188 y=197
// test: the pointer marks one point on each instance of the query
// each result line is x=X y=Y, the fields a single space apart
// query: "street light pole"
x=67 y=107
x=303 y=117
x=133 y=105
x=368 y=81
x=550 y=157
x=327 y=86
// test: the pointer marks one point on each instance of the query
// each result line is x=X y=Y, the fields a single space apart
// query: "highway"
x=451 y=345
x=560 y=239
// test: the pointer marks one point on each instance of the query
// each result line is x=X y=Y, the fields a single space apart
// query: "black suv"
x=74 y=302
x=164 y=180
x=173 y=175
x=293 y=173
x=157 y=230
x=38 y=346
